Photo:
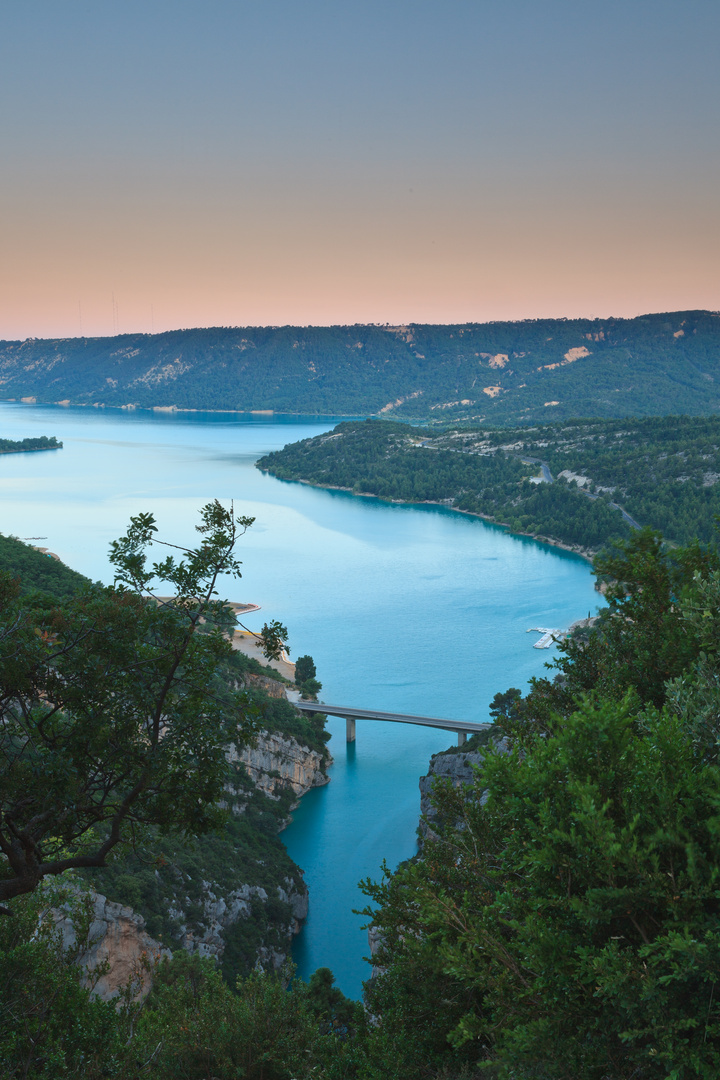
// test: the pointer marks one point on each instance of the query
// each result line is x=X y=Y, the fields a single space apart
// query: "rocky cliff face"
x=272 y=687
x=117 y=944
x=118 y=955
x=234 y=897
x=221 y=913
x=458 y=768
x=281 y=760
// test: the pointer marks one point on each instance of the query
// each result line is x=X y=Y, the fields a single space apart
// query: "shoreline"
x=67 y=404
x=31 y=449
x=587 y=554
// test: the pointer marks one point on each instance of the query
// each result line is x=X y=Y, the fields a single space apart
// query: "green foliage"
x=239 y=663
x=278 y=715
x=114 y=716
x=310 y=689
x=171 y=873
x=329 y=1005
x=273 y=640
x=564 y=910
x=576 y=907
x=506 y=706
x=19 y=446
x=304 y=669
x=50 y=1026
x=35 y=570
x=305 y=678
x=194 y=1027
x=641 y=641
x=397 y=462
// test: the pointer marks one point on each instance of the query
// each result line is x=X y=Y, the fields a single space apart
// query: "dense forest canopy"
x=662 y=471
x=499 y=372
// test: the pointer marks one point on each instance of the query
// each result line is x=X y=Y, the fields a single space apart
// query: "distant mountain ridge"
x=497 y=372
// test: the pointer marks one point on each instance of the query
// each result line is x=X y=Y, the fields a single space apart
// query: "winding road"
x=547 y=478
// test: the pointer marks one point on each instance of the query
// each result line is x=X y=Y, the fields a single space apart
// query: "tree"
x=50 y=1024
x=640 y=641
x=304 y=669
x=310 y=689
x=273 y=640
x=573 y=905
x=569 y=898
x=332 y=1009
x=113 y=715
x=305 y=678
x=506 y=706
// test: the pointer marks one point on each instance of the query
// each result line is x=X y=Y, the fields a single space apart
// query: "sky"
x=175 y=163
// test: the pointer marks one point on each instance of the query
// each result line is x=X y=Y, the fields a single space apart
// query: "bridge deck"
x=466 y=726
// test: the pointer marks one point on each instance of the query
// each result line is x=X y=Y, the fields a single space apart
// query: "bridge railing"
x=350 y=715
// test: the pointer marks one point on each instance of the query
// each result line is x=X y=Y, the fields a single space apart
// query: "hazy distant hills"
x=499 y=372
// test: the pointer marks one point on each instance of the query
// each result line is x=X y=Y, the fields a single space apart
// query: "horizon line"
x=378 y=326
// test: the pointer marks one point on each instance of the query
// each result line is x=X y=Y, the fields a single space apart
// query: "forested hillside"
x=36 y=570
x=500 y=372
x=663 y=472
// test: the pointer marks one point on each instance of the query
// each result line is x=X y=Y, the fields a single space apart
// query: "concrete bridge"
x=462 y=727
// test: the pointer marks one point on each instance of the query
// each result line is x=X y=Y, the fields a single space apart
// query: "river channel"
x=414 y=609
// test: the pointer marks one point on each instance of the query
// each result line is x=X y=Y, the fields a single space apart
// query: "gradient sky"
x=174 y=163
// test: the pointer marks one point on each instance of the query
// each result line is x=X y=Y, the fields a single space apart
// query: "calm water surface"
x=407 y=609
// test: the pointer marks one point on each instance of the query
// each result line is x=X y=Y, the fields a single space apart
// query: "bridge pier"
x=462 y=738
x=349 y=729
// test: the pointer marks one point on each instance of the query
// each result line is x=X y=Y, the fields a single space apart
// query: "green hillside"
x=37 y=570
x=662 y=471
x=499 y=372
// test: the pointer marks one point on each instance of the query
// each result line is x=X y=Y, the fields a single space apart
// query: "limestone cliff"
x=234 y=896
x=458 y=766
x=223 y=910
x=116 y=943
x=281 y=760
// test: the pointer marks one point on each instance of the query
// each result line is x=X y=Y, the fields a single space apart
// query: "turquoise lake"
x=413 y=609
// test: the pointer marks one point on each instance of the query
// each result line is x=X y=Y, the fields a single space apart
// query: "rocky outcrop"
x=117 y=954
x=375 y=943
x=457 y=767
x=221 y=912
x=272 y=687
x=281 y=759
x=235 y=898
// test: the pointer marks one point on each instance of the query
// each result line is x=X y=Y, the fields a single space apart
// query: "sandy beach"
x=246 y=642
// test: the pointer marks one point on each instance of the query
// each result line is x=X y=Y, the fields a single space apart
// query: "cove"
x=414 y=609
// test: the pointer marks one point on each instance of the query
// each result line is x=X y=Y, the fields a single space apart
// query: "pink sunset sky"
x=171 y=163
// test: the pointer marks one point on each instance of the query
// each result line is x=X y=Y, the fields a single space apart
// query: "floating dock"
x=549 y=636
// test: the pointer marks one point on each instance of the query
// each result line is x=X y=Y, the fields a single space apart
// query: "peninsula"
x=579 y=484
x=23 y=446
